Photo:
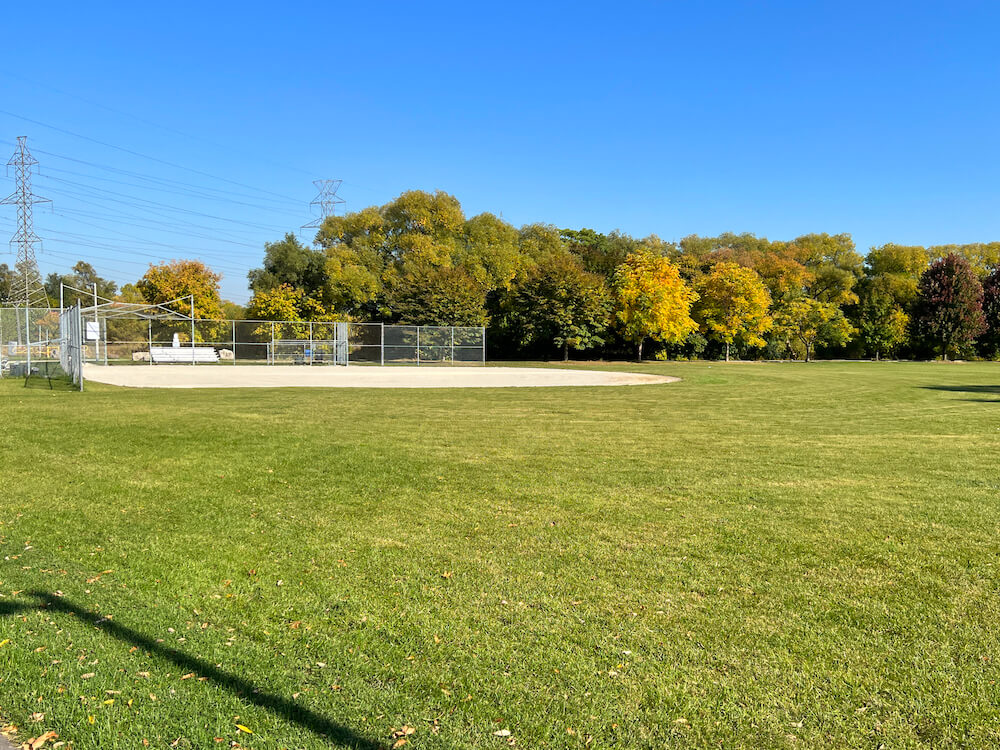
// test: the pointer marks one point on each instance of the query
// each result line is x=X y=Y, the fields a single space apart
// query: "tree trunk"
x=727 y=351
x=876 y=354
x=640 y=350
x=565 y=352
x=808 y=353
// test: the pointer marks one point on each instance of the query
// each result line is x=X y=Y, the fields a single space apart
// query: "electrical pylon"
x=28 y=290
x=327 y=200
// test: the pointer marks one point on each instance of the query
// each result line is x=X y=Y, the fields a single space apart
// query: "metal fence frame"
x=71 y=344
x=109 y=333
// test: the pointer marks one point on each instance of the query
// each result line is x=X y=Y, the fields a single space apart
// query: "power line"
x=143 y=120
x=139 y=154
x=166 y=180
x=136 y=203
x=29 y=291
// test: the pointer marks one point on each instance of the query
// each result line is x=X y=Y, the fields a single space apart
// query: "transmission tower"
x=28 y=290
x=327 y=201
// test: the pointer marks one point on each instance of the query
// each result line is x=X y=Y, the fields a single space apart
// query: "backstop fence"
x=113 y=334
x=43 y=345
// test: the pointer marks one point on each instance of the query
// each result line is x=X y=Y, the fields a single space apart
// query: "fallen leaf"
x=37 y=716
x=502 y=733
x=86 y=676
x=40 y=740
x=187 y=676
x=244 y=729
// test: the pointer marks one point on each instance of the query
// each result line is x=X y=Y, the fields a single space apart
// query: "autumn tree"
x=991 y=311
x=732 y=306
x=808 y=322
x=949 y=310
x=652 y=301
x=557 y=302
x=284 y=302
x=178 y=279
x=983 y=257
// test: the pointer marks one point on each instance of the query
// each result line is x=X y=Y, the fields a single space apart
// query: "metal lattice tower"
x=327 y=200
x=29 y=290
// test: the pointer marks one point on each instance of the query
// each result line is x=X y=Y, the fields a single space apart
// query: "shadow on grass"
x=238 y=686
x=981 y=390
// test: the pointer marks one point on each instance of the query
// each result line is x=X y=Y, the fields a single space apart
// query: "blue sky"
x=877 y=119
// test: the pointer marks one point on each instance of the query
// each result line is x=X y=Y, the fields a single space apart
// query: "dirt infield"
x=249 y=376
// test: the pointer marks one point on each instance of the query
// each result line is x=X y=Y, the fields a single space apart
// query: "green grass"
x=762 y=555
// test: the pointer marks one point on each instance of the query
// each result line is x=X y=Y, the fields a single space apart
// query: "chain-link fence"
x=42 y=345
x=135 y=339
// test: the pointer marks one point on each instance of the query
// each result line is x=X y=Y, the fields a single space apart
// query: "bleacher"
x=171 y=355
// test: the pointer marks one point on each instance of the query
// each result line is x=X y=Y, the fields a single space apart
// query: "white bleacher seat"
x=165 y=355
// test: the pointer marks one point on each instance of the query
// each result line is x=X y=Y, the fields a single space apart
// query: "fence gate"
x=71 y=343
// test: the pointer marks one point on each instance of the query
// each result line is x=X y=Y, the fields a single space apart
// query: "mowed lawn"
x=761 y=555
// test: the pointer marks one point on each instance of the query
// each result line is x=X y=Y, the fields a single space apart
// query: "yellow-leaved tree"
x=652 y=301
x=191 y=279
x=733 y=306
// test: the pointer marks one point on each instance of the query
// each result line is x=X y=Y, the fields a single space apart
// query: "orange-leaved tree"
x=179 y=279
x=652 y=300
x=733 y=306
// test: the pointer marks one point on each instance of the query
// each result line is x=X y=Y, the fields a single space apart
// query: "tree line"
x=543 y=291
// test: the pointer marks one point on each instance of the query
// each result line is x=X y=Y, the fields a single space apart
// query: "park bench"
x=165 y=355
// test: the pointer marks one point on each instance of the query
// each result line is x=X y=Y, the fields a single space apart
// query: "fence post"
x=381 y=358
x=483 y=333
x=234 y=342
x=310 y=342
x=192 y=331
x=149 y=324
x=271 y=357
x=27 y=336
x=418 y=345
x=453 y=344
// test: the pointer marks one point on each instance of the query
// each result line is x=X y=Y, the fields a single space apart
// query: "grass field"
x=762 y=555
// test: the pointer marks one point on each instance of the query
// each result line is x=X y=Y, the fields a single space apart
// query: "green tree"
x=7 y=279
x=82 y=279
x=882 y=322
x=489 y=252
x=558 y=302
x=652 y=301
x=733 y=306
x=290 y=263
x=807 y=322
x=438 y=296
x=835 y=266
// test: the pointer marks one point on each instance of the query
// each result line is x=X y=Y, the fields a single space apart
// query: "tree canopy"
x=539 y=288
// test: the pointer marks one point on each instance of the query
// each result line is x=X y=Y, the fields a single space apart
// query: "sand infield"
x=287 y=376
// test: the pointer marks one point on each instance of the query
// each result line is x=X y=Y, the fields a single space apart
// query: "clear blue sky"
x=878 y=119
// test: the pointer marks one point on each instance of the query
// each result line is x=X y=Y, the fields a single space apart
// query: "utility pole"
x=29 y=290
x=327 y=201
